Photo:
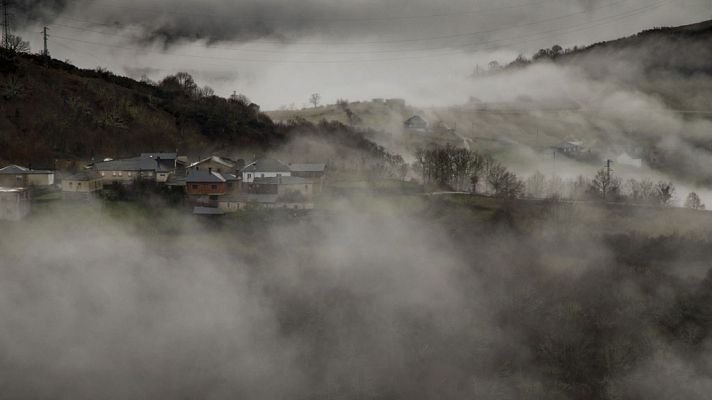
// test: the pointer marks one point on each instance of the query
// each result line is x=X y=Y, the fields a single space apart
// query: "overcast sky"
x=277 y=52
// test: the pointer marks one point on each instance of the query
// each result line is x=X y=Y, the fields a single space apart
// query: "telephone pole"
x=5 y=24
x=45 y=52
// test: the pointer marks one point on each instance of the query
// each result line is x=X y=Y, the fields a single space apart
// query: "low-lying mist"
x=365 y=300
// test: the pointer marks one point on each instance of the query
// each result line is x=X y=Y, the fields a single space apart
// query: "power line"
x=450 y=36
x=528 y=38
x=6 y=24
x=290 y=19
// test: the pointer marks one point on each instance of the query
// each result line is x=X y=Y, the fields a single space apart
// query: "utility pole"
x=45 y=52
x=5 y=24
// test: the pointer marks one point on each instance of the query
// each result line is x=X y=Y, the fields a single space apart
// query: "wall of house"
x=40 y=179
x=217 y=188
x=162 y=177
x=81 y=186
x=14 y=205
x=307 y=189
x=249 y=177
x=109 y=177
x=11 y=181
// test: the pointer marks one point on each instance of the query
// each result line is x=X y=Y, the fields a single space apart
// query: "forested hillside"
x=52 y=110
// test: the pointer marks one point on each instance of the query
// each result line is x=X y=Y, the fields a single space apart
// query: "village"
x=211 y=186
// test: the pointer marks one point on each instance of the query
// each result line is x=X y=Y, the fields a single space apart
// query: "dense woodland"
x=51 y=110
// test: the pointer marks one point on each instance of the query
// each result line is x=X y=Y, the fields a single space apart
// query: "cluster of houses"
x=213 y=185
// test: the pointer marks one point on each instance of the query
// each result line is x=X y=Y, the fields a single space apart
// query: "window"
x=214 y=187
x=113 y=173
x=121 y=173
x=249 y=176
x=70 y=184
x=79 y=184
x=103 y=173
x=130 y=174
x=195 y=187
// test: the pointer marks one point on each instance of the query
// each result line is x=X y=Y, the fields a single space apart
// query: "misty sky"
x=277 y=52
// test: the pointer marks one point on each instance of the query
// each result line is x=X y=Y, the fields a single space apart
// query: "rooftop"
x=204 y=177
x=307 y=167
x=220 y=160
x=18 y=170
x=83 y=176
x=266 y=165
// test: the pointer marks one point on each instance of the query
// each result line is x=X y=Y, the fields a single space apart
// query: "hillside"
x=51 y=110
x=673 y=63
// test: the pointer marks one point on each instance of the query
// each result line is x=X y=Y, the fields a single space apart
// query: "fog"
x=342 y=49
x=365 y=300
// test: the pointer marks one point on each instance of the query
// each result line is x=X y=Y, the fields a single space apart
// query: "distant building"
x=626 y=159
x=82 y=184
x=208 y=211
x=14 y=203
x=270 y=201
x=571 y=148
x=416 y=123
x=283 y=186
x=315 y=172
x=264 y=168
x=17 y=176
x=156 y=167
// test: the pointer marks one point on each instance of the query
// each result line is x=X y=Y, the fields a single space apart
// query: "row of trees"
x=466 y=170
x=604 y=186
x=451 y=168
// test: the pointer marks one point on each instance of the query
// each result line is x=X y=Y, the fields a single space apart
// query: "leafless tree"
x=16 y=44
x=314 y=99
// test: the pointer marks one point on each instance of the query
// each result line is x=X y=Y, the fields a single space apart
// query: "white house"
x=626 y=159
x=14 y=203
x=265 y=168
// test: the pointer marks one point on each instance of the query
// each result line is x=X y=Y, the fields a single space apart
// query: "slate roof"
x=267 y=165
x=204 y=177
x=127 y=164
x=162 y=156
x=83 y=176
x=18 y=170
x=307 y=167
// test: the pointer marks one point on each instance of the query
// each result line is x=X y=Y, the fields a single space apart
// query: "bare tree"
x=314 y=99
x=664 y=193
x=693 y=201
x=16 y=44
x=605 y=185
x=504 y=183
x=536 y=185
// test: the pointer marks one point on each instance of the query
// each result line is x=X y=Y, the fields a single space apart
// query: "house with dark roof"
x=156 y=167
x=416 y=123
x=272 y=201
x=264 y=168
x=316 y=172
x=17 y=176
x=283 y=186
x=81 y=184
